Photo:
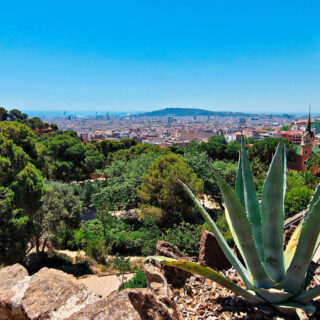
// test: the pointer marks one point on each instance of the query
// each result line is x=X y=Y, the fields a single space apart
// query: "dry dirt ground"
x=104 y=285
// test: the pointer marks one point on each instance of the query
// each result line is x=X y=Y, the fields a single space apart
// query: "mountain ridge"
x=185 y=112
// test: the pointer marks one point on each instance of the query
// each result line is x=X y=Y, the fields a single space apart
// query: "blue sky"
x=261 y=56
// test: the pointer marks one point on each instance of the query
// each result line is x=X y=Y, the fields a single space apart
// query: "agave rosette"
x=270 y=274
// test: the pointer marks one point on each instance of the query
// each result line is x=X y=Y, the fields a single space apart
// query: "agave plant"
x=270 y=274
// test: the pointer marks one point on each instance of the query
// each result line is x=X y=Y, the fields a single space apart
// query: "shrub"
x=186 y=237
x=138 y=281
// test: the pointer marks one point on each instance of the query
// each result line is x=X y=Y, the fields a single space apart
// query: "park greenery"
x=46 y=185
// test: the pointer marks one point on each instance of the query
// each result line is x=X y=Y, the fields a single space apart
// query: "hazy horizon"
x=141 y=56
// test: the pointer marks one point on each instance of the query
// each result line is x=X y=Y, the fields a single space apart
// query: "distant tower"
x=307 y=139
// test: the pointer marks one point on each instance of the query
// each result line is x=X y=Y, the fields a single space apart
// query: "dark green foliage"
x=223 y=226
x=134 y=152
x=34 y=262
x=106 y=147
x=61 y=208
x=186 y=237
x=85 y=191
x=285 y=128
x=218 y=149
x=138 y=281
x=297 y=200
x=124 y=178
x=20 y=192
x=265 y=149
x=160 y=187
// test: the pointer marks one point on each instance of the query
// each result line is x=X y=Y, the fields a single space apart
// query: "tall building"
x=170 y=120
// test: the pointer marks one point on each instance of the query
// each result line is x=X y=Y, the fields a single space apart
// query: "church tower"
x=307 y=140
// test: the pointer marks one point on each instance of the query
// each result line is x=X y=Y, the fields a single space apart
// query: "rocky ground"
x=172 y=294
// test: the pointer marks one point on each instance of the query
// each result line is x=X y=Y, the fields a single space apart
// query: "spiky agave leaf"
x=307 y=296
x=210 y=274
x=292 y=246
x=295 y=309
x=246 y=192
x=272 y=214
x=243 y=230
x=294 y=278
x=244 y=274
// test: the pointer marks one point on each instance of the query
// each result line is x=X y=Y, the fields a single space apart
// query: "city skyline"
x=242 y=57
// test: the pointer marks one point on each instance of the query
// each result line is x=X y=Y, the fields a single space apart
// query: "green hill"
x=184 y=112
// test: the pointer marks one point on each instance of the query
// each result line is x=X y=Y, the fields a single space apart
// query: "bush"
x=138 y=281
x=186 y=237
x=297 y=200
x=223 y=226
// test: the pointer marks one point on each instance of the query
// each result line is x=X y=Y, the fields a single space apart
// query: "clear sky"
x=136 y=55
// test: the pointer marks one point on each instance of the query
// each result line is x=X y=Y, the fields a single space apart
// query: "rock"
x=210 y=254
x=166 y=249
x=48 y=294
x=10 y=277
x=174 y=276
x=152 y=307
x=131 y=215
x=55 y=294
x=156 y=281
x=115 y=307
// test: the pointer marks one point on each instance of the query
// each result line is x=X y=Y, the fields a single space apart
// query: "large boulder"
x=48 y=294
x=116 y=307
x=152 y=307
x=174 y=276
x=156 y=281
x=13 y=280
x=210 y=254
x=53 y=293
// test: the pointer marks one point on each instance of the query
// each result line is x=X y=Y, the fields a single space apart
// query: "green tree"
x=20 y=197
x=3 y=114
x=285 y=128
x=60 y=208
x=119 y=190
x=297 y=200
x=198 y=161
x=313 y=161
x=265 y=149
x=17 y=115
x=160 y=187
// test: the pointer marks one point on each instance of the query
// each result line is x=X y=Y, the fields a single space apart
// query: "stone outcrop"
x=11 y=288
x=48 y=294
x=115 y=307
x=174 y=276
x=55 y=295
x=153 y=307
x=156 y=281
x=210 y=254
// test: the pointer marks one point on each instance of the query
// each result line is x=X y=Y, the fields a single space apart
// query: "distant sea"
x=58 y=114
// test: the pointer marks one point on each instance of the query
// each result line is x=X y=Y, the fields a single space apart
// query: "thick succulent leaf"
x=242 y=228
x=210 y=274
x=294 y=309
x=294 y=278
x=244 y=274
x=246 y=192
x=234 y=235
x=272 y=214
x=274 y=295
x=307 y=296
x=239 y=183
x=291 y=246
